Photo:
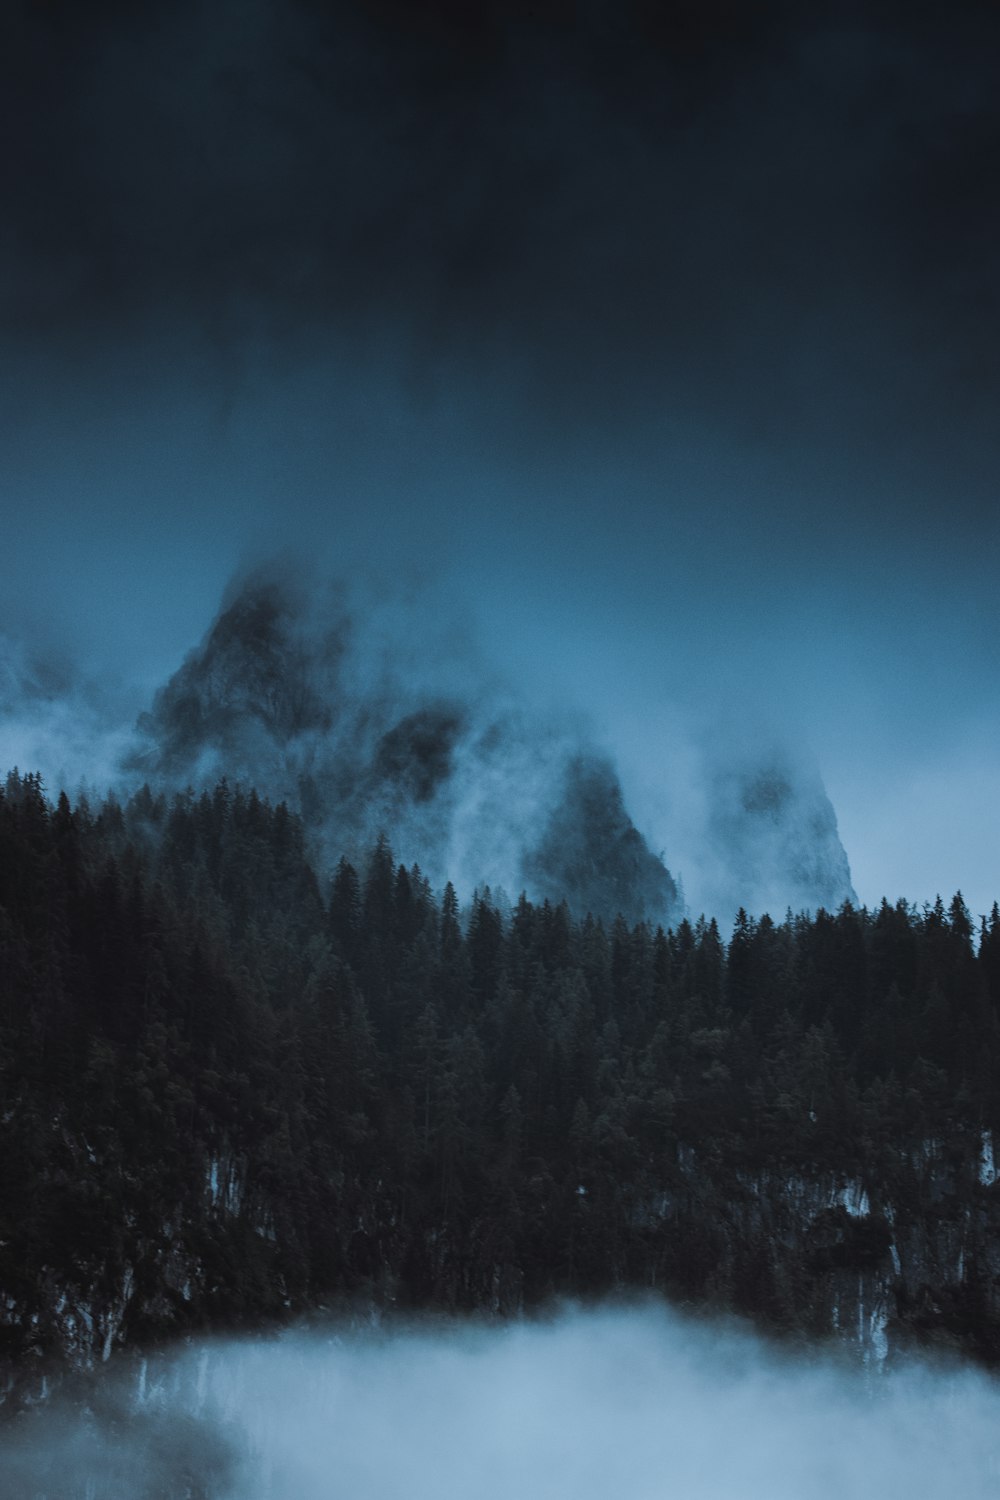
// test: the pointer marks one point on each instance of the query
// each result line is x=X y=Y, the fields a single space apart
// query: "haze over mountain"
x=772 y=835
x=372 y=723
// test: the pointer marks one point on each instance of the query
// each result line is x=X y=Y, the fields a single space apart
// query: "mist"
x=376 y=710
x=637 y=1401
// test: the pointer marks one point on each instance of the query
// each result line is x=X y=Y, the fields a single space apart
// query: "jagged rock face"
x=292 y=697
x=242 y=699
x=773 y=834
x=417 y=755
x=591 y=852
x=296 y=695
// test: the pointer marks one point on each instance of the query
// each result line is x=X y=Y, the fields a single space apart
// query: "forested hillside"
x=232 y=1091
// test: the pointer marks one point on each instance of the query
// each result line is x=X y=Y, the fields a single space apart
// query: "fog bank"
x=635 y=1402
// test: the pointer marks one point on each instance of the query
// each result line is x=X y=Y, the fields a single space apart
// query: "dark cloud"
x=666 y=332
x=780 y=214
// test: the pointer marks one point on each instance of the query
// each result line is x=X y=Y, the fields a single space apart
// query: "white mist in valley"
x=635 y=1402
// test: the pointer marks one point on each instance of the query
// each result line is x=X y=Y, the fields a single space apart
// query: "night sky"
x=659 y=340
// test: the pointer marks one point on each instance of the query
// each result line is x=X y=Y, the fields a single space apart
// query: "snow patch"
x=853 y=1199
x=224 y=1186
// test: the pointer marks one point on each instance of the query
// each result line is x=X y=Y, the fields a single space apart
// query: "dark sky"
x=665 y=335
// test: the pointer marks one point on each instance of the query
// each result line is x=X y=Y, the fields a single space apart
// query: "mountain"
x=298 y=697
x=365 y=723
x=591 y=854
x=772 y=832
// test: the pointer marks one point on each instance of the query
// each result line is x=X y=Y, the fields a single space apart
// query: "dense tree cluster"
x=228 y=1091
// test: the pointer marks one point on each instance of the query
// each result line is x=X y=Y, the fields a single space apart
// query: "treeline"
x=229 y=1091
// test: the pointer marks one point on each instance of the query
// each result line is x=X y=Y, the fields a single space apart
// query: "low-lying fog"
x=634 y=1403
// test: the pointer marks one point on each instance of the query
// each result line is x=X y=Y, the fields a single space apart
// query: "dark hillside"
x=230 y=1094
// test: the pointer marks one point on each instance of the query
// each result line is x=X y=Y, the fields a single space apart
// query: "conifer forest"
x=234 y=1091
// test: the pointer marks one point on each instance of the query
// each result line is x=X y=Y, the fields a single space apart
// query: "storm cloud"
x=666 y=335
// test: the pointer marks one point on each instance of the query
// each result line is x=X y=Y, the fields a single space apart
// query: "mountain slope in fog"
x=365 y=726
x=772 y=831
x=591 y=852
x=299 y=697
